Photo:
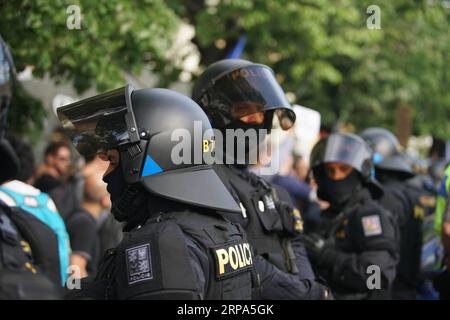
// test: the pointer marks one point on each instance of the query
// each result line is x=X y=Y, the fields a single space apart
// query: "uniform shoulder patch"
x=372 y=225
x=139 y=263
x=298 y=221
x=427 y=201
x=232 y=258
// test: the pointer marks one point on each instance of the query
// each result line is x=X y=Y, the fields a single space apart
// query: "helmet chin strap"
x=129 y=203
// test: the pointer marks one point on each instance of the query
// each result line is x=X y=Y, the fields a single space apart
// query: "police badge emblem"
x=372 y=225
x=139 y=264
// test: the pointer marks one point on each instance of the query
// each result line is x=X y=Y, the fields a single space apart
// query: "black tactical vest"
x=230 y=255
x=20 y=277
x=351 y=236
x=153 y=261
x=264 y=220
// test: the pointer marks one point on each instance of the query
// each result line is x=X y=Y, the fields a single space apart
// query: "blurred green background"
x=322 y=52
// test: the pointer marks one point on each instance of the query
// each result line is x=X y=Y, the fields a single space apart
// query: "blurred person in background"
x=54 y=178
x=422 y=179
x=300 y=191
x=296 y=191
x=303 y=194
x=20 y=193
x=442 y=229
x=25 y=242
x=301 y=168
x=109 y=229
x=441 y=201
x=85 y=223
x=442 y=280
x=404 y=201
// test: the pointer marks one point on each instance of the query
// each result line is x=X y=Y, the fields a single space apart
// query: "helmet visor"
x=246 y=91
x=343 y=149
x=97 y=124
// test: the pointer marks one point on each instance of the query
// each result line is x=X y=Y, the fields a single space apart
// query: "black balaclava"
x=336 y=192
x=238 y=124
x=126 y=199
x=116 y=183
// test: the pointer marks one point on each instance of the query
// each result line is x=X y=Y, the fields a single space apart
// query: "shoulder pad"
x=153 y=258
x=373 y=228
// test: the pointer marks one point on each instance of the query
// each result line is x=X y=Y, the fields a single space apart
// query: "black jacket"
x=404 y=202
x=280 y=257
x=176 y=252
x=28 y=257
x=362 y=240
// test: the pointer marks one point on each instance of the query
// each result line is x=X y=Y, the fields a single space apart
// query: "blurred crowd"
x=315 y=228
x=67 y=192
x=414 y=188
x=75 y=192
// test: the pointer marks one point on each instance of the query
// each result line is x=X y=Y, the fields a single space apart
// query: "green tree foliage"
x=324 y=53
x=26 y=116
x=116 y=37
x=321 y=50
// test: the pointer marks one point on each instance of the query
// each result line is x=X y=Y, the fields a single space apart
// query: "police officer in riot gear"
x=175 y=246
x=24 y=267
x=241 y=95
x=10 y=162
x=406 y=202
x=357 y=238
x=390 y=157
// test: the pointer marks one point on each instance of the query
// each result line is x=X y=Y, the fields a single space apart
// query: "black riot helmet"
x=382 y=141
x=344 y=148
x=232 y=88
x=396 y=166
x=349 y=149
x=160 y=135
x=388 y=155
x=9 y=163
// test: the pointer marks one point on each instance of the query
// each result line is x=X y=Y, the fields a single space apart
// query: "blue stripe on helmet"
x=150 y=167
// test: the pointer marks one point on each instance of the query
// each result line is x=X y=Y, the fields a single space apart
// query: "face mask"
x=337 y=192
x=126 y=199
x=116 y=184
x=250 y=146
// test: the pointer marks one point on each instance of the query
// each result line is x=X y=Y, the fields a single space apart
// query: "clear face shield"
x=100 y=123
x=246 y=91
x=343 y=148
